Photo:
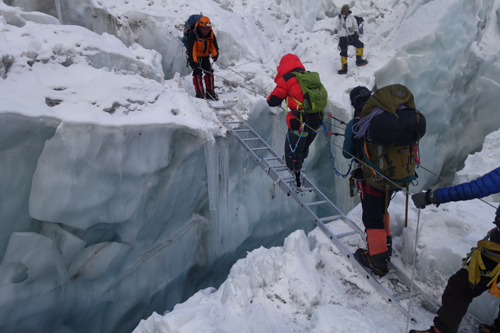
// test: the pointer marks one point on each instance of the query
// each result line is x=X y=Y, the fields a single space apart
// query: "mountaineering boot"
x=209 y=84
x=198 y=86
x=343 y=62
x=377 y=263
x=430 y=330
x=211 y=95
x=359 y=58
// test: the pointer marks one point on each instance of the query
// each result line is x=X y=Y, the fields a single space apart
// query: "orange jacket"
x=199 y=46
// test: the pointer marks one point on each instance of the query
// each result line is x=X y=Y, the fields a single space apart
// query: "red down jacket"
x=287 y=84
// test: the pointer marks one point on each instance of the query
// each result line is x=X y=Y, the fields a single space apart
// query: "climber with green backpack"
x=306 y=98
x=383 y=136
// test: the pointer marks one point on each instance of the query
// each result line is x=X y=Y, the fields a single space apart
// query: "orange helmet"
x=205 y=22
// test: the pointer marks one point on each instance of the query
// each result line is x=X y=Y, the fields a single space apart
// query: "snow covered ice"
x=122 y=196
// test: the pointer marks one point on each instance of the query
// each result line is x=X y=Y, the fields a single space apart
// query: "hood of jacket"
x=288 y=63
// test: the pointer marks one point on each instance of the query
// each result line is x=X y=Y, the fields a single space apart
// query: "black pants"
x=297 y=147
x=353 y=40
x=205 y=64
x=374 y=209
x=456 y=299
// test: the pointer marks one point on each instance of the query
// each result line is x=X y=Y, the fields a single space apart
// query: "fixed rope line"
x=337 y=134
x=236 y=83
x=227 y=67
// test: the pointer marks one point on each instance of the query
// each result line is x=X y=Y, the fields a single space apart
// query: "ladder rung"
x=219 y=107
x=307 y=189
x=262 y=148
x=250 y=139
x=235 y=122
x=345 y=234
x=225 y=114
x=316 y=203
x=330 y=218
x=273 y=158
x=243 y=130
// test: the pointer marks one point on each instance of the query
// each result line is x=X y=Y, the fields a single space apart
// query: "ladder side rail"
x=285 y=187
x=407 y=281
x=391 y=299
x=240 y=139
x=344 y=218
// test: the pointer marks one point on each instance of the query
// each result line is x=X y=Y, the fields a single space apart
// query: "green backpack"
x=315 y=94
x=390 y=144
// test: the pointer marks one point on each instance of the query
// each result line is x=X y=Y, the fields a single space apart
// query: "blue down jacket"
x=481 y=187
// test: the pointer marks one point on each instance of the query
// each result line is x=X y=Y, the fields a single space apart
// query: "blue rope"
x=331 y=155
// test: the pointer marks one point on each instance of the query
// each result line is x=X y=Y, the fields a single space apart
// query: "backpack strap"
x=475 y=265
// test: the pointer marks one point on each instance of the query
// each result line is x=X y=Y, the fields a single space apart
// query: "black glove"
x=423 y=199
x=297 y=178
x=295 y=113
x=192 y=64
x=216 y=57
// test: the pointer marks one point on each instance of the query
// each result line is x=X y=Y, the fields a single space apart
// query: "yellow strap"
x=494 y=275
x=367 y=155
x=476 y=262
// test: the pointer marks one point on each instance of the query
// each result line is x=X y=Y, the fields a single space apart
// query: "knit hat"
x=345 y=8
x=359 y=95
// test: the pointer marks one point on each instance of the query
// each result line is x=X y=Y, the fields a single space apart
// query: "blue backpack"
x=189 y=25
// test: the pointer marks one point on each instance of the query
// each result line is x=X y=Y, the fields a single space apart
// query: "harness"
x=475 y=265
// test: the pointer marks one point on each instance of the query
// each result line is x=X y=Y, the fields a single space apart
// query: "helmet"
x=204 y=22
x=359 y=95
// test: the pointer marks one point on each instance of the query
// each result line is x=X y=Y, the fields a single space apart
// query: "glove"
x=297 y=178
x=193 y=64
x=351 y=29
x=216 y=57
x=335 y=31
x=423 y=199
x=295 y=113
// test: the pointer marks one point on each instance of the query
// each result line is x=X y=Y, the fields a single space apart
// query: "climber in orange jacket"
x=200 y=45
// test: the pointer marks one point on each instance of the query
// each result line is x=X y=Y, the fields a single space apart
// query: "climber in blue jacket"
x=462 y=288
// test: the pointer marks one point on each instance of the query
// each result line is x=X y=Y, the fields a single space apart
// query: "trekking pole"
x=406 y=208
x=340 y=121
x=413 y=273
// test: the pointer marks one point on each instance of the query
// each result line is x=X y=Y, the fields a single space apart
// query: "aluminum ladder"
x=276 y=168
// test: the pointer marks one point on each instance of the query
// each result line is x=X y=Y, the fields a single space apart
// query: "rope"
x=336 y=134
x=413 y=273
x=361 y=127
x=338 y=173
